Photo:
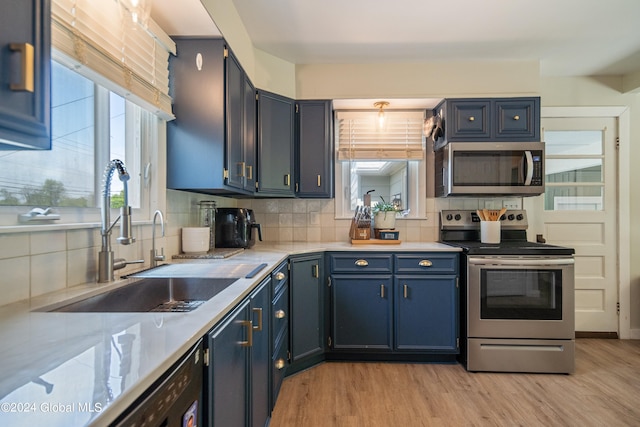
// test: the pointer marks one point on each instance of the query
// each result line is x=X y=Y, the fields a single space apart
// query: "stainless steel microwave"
x=490 y=169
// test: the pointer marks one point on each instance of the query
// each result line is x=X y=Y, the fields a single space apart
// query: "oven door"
x=520 y=297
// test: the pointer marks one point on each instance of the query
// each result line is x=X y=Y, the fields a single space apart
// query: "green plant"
x=384 y=207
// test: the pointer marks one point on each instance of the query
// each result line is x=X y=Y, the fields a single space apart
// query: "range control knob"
x=449 y=217
x=520 y=217
x=511 y=217
x=458 y=217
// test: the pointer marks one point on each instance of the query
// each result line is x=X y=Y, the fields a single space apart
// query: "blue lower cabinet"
x=426 y=313
x=238 y=358
x=227 y=376
x=361 y=307
x=260 y=305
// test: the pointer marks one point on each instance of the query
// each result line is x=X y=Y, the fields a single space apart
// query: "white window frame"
x=72 y=217
x=416 y=183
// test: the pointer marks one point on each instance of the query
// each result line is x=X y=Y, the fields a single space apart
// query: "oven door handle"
x=523 y=262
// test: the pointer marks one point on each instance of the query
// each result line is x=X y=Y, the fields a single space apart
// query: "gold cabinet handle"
x=259 y=312
x=381 y=291
x=315 y=271
x=425 y=263
x=471 y=119
x=241 y=169
x=516 y=117
x=250 y=169
x=361 y=262
x=405 y=291
x=287 y=180
x=280 y=314
x=318 y=180
x=279 y=275
x=249 y=325
x=26 y=83
x=280 y=364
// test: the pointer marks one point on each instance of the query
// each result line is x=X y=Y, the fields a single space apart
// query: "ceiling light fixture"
x=380 y=105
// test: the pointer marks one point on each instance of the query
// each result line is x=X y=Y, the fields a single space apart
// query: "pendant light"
x=380 y=105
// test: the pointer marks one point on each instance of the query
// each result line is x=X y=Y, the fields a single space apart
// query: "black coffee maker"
x=234 y=228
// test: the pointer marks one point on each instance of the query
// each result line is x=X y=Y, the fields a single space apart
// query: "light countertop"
x=74 y=369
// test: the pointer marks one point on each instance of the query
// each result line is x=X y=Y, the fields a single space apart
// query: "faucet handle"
x=119 y=263
x=159 y=257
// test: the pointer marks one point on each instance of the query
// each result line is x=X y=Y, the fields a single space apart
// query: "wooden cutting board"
x=375 y=242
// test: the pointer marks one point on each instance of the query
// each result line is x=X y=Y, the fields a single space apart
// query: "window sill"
x=28 y=228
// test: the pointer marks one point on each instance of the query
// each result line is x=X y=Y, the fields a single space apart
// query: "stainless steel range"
x=517 y=312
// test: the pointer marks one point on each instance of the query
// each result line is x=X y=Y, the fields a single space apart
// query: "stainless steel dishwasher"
x=174 y=400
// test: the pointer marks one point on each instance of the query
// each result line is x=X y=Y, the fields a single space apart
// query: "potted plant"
x=384 y=215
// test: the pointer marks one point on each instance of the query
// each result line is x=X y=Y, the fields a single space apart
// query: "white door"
x=579 y=210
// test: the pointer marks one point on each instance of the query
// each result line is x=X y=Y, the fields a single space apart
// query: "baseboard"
x=601 y=335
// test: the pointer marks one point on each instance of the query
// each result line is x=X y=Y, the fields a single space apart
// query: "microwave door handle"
x=529 y=169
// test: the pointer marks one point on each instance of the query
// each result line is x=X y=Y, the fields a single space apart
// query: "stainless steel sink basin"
x=175 y=294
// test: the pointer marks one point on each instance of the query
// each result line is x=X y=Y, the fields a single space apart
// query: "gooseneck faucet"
x=106 y=263
x=154 y=256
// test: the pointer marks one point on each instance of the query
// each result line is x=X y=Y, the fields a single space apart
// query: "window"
x=386 y=161
x=573 y=170
x=90 y=126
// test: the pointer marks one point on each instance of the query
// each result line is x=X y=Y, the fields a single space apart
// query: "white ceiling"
x=568 y=37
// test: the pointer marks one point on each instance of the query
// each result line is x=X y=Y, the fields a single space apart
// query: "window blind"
x=99 y=39
x=361 y=138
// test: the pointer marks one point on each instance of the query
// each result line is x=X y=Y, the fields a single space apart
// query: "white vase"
x=384 y=220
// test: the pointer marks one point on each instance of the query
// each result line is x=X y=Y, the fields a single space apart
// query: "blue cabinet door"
x=314 y=149
x=426 y=313
x=227 y=384
x=25 y=74
x=260 y=305
x=275 y=145
x=307 y=307
x=361 y=312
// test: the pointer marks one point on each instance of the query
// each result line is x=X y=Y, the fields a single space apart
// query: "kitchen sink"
x=165 y=294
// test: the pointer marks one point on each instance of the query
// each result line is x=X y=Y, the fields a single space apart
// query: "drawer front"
x=427 y=263
x=365 y=262
x=279 y=364
x=280 y=314
x=517 y=119
x=279 y=277
x=469 y=120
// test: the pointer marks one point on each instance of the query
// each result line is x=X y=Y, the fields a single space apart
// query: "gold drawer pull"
x=27 y=76
x=381 y=291
x=280 y=364
x=249 y=325
x=425 y=263
x=279 y=275
x=516 y=117
x=471 y=119
x=318 y=180
x=280 y=314
x=258 y=311
x=362 y=263
x=405 y=291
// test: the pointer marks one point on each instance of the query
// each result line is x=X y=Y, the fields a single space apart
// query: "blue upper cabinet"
x=314 y=149
x=486 y=119
x=275 y=142
x=25 y=74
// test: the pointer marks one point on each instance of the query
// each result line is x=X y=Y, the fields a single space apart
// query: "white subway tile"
x=48 y=272
x=47 y=242
x=14 y=280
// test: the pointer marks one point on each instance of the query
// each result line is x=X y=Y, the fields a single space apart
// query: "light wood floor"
x=604 y=391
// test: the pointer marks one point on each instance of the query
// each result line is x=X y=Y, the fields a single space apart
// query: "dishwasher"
x=174 y=400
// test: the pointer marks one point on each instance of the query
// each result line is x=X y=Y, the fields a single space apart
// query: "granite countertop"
x=73 y=369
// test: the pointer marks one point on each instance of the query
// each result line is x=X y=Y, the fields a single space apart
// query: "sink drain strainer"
x=177 y=306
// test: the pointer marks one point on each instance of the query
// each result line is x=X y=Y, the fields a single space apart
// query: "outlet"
x=511 y=204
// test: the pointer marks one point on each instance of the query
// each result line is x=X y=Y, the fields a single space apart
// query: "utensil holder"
x=490 y=231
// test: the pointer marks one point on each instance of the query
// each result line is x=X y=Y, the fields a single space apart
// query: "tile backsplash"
x=38 y=262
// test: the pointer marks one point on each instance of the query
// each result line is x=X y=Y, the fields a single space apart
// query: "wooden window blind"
x=100 y=40
x=361 y=138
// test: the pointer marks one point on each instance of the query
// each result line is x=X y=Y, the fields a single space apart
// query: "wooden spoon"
x=502 y=212
x=480 y=215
